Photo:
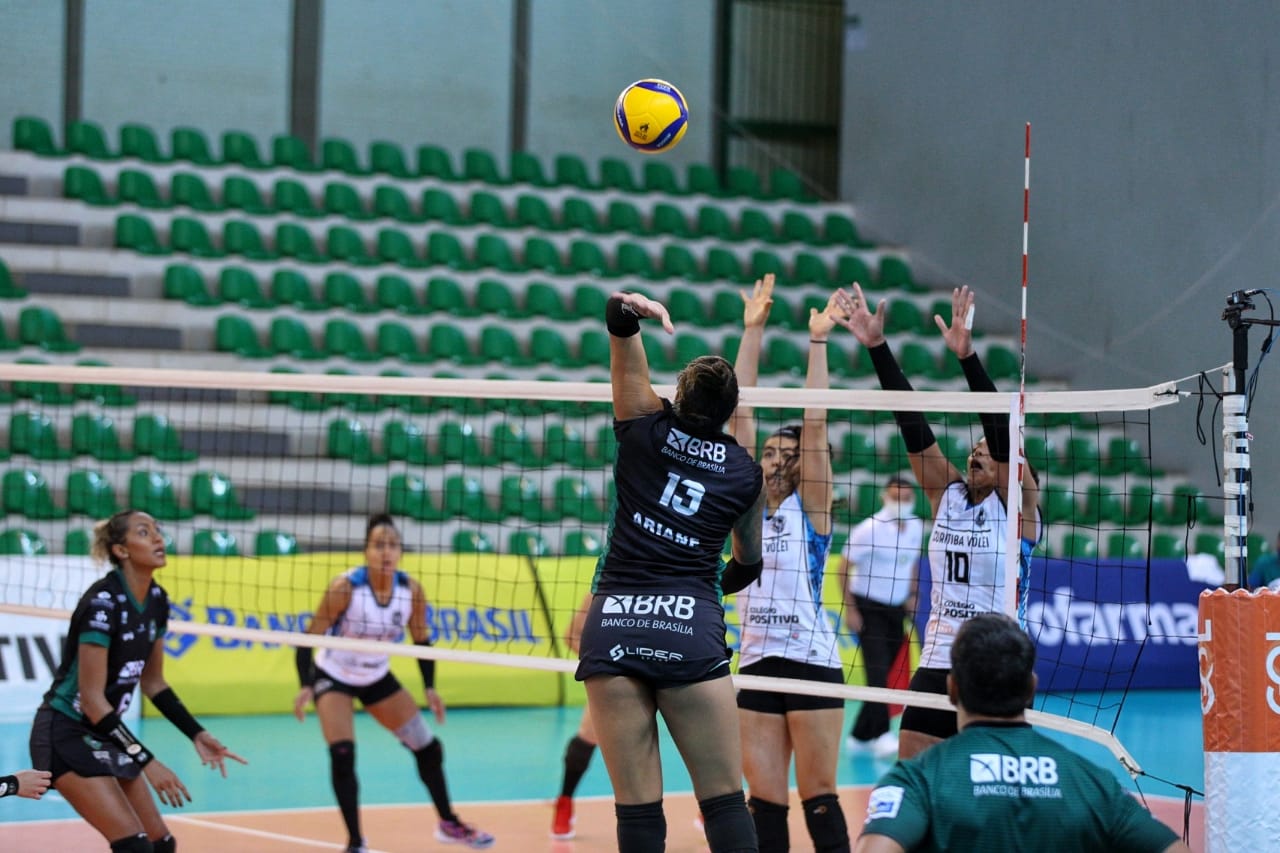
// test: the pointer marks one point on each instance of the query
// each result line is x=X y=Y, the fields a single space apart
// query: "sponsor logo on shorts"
x=321 y=685
x=884 y=802
x=620 y=651
x=104 y=756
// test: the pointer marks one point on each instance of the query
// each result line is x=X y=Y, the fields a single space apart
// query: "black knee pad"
x=642 y=828
x=342 y=759
x=728 y=824
x=168 y=844
x=771 y=825
x=133 y=844
x=825 y=821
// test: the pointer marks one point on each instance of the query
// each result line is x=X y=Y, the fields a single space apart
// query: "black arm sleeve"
x=620 y=318
x=8 y=786
x=306 y=670
x=916 y=434
x=168 y=703
x=427 y=667
x=737 y=575
x=995 y=426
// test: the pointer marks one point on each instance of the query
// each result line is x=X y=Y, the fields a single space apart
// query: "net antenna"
x=1015 y=590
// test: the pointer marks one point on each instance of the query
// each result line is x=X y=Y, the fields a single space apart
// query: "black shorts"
x=769 y=702
x=368 y=694
x=940 y=724
x=61 y=745
x=665 y=640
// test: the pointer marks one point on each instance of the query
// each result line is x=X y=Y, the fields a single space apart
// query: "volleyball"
x=651 y=116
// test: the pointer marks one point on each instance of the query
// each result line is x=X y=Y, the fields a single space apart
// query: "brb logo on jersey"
x=670 y=606
x=1013 y=769
x=691 y=445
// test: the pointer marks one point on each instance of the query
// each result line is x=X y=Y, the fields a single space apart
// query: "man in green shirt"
x=999 y=785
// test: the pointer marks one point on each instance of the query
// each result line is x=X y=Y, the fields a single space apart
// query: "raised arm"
x=755 y=312
x=932 y=468
x=958 y=336
x=633 y=395
x=816 y=477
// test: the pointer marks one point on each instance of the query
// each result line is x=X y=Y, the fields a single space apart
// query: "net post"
x=1235 y=479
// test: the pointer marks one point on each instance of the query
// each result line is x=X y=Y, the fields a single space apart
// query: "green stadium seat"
x=576 y=213
x=303 y=401
x=340 y=155
x=1078 y=546
x=548 y=347
x=154 y=435
x=703 y=180
x=232 y=333
x=290 y=152
x=1102 y=506
x=741 y=181
x=786 y=184
x=1140 y=507
x=343 y=200
x=8 y=290
x=445 y=296
x=668 y=219
x=478 y=164
x=290 y=287
x=520 y=497
x=1079 y=456
x=1188 y=505
x=1057 y=504
x=214 y=543
x=605 y=447
x=764 y=262
x=526 y=168
x=917 y=360
x=87 y=138
x=582 y=543
x=723 y=265
x=1211 y=544
x=1124 y=546
x=403 y=441
x=289 y=195
x=387 y=158
x=713 y=222
x=459 y=442
x=344 y=243
x=895 y=273
x=493 y=252
x=857 y=452
x=542 y=255
x=396 y=340
x=565 y=444
x=1001 y=362
x=509 y=444
x=495 y=297
x=440 y=206
x=408 y=495
x=94 y=434
x=33 y=134
x=499 y=344
x=85 y=184
x=1041 y=452
x=190 y=236
x=241 y=193
x=396 y=247
x=902 y=315
x=40 y=326
x=487 y=208
x=187 y=189
x=213 y=494
x=593 y=348
x=784 y=355
x=615 y=174
x=464 y=497
x=632 y=259
x=527 y=543
x=797 y=227
x=679 y=262
x=290 y=336
x=77 y=543
x=471 y=542
x=344 y=339
x=532 y=211
x=35 y=434
x=588 y=258
x=135 y=233
x=754 y=224
x=344 y=291
x=350 y=400
x=349 y=438
x=571 y=170
x=659 y=177
x=850 y=269
x=241 y=148
x=295 y=241
x=153 y=492
x=26 y=493
x=1168 y=546
x=46 y=393
x=391 y=202
x=577 y=499
x=809 y=268
x=1125 y=456
x=18 y=542
x=243 y=239
x=624 y=216
x=240 y=286
x=445 y=249
x=137 y=187
x=840 y=230
x=275 y=543
x=395 y=293
x=190 y=144
x=684 y=306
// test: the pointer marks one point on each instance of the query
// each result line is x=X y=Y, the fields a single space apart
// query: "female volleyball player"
x=785 y=631
x=375 y=602
x=970 y=512
x=654 y=638
x=578 y=752
x=116 y=642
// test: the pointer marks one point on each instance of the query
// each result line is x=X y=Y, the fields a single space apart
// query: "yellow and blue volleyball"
x=651 y=116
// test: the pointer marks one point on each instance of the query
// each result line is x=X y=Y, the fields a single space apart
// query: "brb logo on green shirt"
x=993 y=774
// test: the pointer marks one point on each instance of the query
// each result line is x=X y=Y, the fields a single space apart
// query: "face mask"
x=899 y=510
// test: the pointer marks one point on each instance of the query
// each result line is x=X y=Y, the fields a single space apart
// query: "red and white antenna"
x=1015 y=592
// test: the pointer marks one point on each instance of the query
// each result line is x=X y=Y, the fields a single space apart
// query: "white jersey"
x=884 y=552
x=781 y=614
x=367 y=619
x=967 y=567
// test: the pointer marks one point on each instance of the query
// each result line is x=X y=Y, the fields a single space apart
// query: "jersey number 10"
x=957 y=567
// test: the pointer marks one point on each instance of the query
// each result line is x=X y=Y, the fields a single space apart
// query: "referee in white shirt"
x=878 y=574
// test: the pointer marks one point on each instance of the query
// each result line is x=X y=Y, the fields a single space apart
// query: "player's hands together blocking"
x=822 y=322
x=213 y=754
x=647 y=308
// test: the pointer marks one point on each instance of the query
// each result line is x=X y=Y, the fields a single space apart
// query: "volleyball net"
x=263 y=484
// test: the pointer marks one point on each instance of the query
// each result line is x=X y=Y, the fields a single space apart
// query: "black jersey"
x=679 y=495
x=108 y=615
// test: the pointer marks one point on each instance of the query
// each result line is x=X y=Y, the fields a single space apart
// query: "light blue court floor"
x=514 y=755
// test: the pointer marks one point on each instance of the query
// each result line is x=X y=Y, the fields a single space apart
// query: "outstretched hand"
x=958 y=336
x=646 y=307
x=213 y=754
x=855 y=315
x=757 y=302
x=839 y=306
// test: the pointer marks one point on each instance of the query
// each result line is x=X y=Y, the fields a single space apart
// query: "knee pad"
x=133 y=844
x=342 y=759
x=727 y=823
x=168 y=844
x=414 y=734
x=825 y=821
x=641 y=828
x=771 y=825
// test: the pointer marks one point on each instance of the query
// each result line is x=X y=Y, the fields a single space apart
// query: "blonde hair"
x=108 y=533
